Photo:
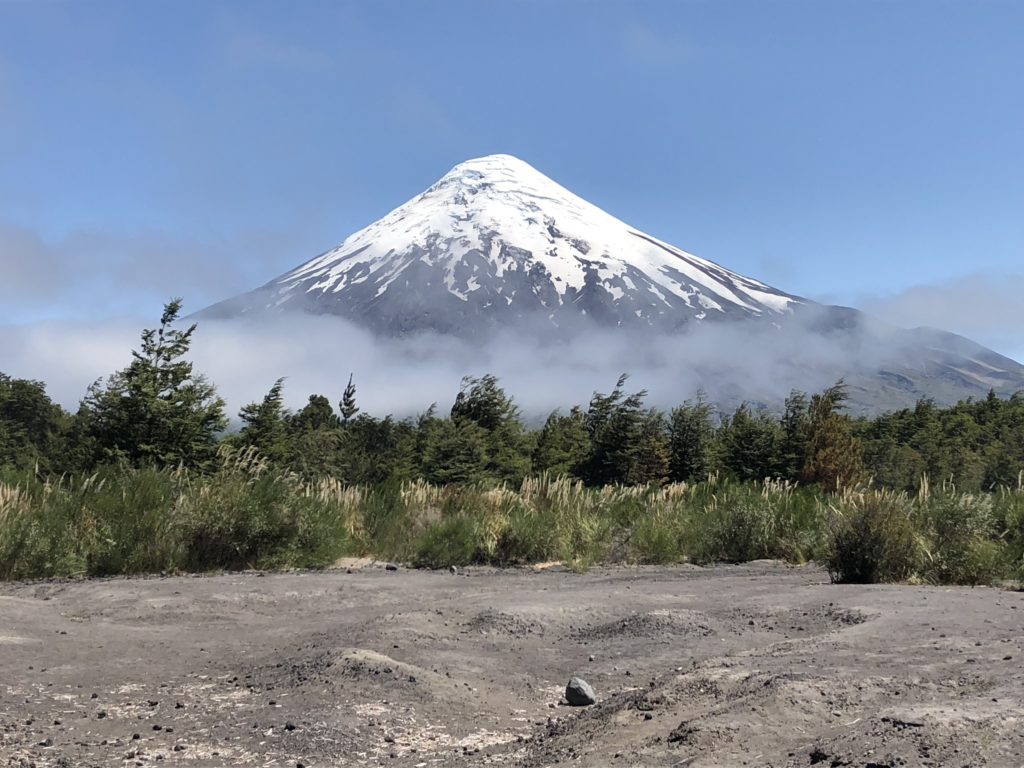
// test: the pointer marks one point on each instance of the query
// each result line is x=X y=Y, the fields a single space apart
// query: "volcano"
x=495 y=246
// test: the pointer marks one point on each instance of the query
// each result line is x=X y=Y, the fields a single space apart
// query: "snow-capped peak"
x=495 y=238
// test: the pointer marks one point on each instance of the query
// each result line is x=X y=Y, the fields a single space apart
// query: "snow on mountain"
x=495 y=246
x=495 y=240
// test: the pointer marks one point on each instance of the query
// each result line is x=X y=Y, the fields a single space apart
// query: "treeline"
x=158 y=412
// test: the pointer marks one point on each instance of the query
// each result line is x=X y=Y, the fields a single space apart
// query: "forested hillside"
x=158 y=412
x=152 y=439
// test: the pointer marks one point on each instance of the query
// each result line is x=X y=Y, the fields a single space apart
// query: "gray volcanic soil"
x=760 y=665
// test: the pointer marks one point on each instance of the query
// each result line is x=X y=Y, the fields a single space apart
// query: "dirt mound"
x=650 y=625
x=498 y=623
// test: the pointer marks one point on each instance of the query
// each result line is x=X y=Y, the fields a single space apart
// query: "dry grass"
x=248 y=515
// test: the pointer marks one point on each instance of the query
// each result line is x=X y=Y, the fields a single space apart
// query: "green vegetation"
x=144 y=478
x=245 y=514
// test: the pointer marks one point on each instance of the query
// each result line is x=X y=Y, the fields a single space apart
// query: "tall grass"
x=246 y=515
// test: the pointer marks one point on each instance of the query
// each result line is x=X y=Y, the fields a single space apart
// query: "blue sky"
x=864 y=152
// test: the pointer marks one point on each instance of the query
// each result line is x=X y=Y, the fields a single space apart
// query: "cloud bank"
x=730 y=362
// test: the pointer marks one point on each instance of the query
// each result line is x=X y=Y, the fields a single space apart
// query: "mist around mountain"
x=497 y=268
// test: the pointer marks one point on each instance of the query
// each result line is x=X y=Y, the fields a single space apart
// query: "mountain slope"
x=494 y=241
x=496 y=248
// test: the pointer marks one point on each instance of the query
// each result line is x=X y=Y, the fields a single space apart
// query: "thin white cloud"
x=986 y=308
x=98 y=272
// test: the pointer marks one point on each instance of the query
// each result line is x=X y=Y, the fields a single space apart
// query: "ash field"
x=760 y=665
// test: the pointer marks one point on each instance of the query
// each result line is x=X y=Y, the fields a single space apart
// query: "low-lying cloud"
x=731 y=362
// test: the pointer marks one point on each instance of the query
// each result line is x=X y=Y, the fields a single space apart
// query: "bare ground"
x=760 y=665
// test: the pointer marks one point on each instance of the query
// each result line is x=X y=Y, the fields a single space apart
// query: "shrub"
x=871 y=538
x=958 y=530
x=454 y=541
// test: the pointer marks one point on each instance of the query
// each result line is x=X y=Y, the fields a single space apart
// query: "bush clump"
x=871 y=538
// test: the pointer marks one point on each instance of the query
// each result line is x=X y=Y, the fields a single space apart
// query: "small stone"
x=579 y=693
x=290 y=726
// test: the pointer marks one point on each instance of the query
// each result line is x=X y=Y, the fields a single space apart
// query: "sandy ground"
x=760 y=665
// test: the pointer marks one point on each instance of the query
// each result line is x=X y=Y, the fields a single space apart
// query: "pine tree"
x=653 y=456
x=795 y=434
x=348 y=402
x=562 y=444
x=750 y=444
x=615 y=425
x=156 y=411
x=266 y=424
x=453 y=451
x=691 y=440
x=375 y=451
x=482 y=403
x=834 y=454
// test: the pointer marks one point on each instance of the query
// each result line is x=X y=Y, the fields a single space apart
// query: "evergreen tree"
x=375 y=451
x=834 y=455
x=315 y=415
x=348 y=402
x=314 y=439
x=654 y=455
x=453 y=451
x=30 y=424
x=750 y=444
x=615 y=425
x=562 y=444
x=691 y=440
x=266 y=425
x=482 y=403
x=157 y=410
x=796 y=429
x=1004 y=456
